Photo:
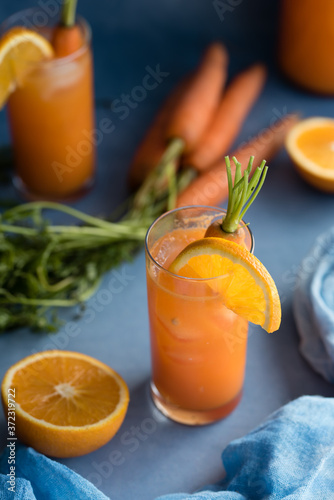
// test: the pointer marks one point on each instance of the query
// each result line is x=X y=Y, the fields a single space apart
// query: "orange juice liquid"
x=198 y=346
x=51 y=118
x=306 y=40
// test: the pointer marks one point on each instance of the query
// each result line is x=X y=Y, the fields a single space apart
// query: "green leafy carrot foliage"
x=242 y=191
x=44 y=266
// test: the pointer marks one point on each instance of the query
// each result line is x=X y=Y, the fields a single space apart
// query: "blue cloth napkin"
x=40 y=478
x=290 y=456
x=314 y=305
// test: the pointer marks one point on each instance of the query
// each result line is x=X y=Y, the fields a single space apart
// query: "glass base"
x=192 y=417
x=28 y=195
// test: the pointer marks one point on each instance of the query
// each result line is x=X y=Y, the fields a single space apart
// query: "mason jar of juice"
x=51 y=117
x=306 y=43
x=198 y=346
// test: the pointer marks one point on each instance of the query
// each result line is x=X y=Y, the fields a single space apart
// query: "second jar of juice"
x=51 y=117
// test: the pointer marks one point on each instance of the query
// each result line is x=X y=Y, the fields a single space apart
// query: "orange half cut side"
x=66 y=403
x=310 y=144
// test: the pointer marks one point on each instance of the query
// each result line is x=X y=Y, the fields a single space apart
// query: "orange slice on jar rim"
x=244 y=284
x=19 y=49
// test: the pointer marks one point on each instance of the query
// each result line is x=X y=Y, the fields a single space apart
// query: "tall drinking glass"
x=198 y=346
x=51 y=117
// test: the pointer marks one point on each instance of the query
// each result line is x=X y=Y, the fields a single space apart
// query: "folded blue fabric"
x=290 y=456
x=314 y=305
x=40 y=478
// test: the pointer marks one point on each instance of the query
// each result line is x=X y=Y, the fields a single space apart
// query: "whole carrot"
x=194 y=112
x=67 y=36
x=153 y=144
x=235 y=104
x=177 y=114
x=211 y=187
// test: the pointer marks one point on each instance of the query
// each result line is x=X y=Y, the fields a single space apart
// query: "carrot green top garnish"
x=242 y=192
x=67 y=36
x=68 y=13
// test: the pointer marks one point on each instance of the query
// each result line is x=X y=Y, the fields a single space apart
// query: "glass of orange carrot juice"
x=198 y=346
x=51 y=117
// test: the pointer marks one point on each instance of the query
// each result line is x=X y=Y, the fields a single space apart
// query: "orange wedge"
x=19 y=48
x=310 y=144
x=66 y=403
x=243 y=282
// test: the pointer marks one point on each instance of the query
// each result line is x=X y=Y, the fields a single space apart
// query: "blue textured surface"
x=156 y=456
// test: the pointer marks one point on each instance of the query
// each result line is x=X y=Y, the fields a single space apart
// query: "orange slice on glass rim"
x=310 y=144
x=66 y=403
x=243 y=282
x=19 y=48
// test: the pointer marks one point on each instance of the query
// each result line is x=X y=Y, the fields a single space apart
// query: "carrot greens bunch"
x=46 y=265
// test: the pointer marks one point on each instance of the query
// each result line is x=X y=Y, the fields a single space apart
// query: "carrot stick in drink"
x=211 y=187
x=235 y=104
x=67 y=36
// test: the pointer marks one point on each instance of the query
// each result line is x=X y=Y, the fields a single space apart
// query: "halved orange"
x=66 y=403
x=310 y=144
x=243 y=282
x=19 y=48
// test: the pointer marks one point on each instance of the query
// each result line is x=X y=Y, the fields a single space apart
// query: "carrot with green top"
x=67 y=36
x=242 y=191
x=153 y=145
x=194 y=111
x=193 y=114
x=235 y=105
x=184 y=115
